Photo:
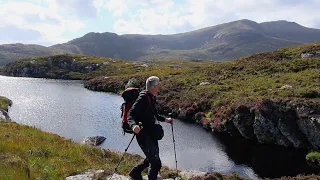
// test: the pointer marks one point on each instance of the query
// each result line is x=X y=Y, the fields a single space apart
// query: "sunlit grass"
x=27 y=152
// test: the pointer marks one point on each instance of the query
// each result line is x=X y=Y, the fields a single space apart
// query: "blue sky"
x=48 y=22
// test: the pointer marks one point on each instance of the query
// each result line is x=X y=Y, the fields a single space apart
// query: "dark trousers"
x=150 y=148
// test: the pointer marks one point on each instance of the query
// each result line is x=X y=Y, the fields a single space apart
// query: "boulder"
x=310 y=55
x=286 y=87
x=307 y=55
x=105 y=63
x=243 y=121
x=86 y=176
x=191 y=174
x=4 y=115
x=266 y=125
x=204 y=84
x=310 y=126
x=279 y=123
x=94 y=140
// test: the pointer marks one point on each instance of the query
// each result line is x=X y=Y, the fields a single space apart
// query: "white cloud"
x=167 y=16
x=53 y=18
x=118 y=7
x=29 y=17
x=76 y=8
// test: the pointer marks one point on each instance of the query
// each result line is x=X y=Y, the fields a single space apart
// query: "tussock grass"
x=5 y=103
x=28 y=153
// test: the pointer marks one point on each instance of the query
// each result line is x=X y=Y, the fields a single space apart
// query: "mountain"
x=10 y=52
x=222 y=42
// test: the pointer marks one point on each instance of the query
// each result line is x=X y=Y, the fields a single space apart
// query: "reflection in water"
x=268 y=161
x=68 y=109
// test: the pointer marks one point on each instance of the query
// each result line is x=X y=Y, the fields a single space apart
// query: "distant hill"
x=10 y=52
x=222 y=42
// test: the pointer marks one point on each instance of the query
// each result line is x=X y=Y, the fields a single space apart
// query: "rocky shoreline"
x=281 y=122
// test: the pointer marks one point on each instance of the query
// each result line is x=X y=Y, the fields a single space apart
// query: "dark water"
x=68 y=109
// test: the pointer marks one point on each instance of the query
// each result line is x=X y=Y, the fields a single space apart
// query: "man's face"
x=156 y=89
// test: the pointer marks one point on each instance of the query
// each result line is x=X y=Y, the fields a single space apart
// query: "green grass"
x=27 y=152
x=313 y=157
x=5 y=103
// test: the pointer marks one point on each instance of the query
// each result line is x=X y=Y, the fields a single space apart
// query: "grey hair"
x=152 y=82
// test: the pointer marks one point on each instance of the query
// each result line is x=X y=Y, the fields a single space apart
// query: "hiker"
x=144 y=113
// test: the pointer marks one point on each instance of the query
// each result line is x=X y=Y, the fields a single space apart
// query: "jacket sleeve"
x=137 y=110
x=159 y=117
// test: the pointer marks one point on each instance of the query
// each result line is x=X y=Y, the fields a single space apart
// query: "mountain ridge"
x=221 y=42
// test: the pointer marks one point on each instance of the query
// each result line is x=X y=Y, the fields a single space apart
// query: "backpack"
x=130 y=95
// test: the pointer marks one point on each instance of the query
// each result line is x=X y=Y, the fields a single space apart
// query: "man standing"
x=144 y=111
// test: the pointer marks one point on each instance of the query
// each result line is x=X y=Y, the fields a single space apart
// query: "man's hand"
x=136 y=129
x=169 y=120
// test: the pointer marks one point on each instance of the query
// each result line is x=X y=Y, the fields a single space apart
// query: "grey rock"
x=204 y=84
x=310 y=55
x=266 y=125
x=307 y=55
x=267 y=132
x=4 y=115
x=310 y=126
x=86 y=176
x=190 y=174
x=94 y=140
x=286 y=87
x=243 y=121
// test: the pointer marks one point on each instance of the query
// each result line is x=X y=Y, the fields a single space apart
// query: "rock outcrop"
x=94 y=140
x=310 y=55
x=56 y=67
x=285 y=123
x=4 y=115
x=90 y=175
x=5 y=104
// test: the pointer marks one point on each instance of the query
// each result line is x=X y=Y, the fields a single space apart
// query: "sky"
x=48 y=22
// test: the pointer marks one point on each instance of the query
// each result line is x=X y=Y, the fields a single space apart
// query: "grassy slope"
x=11 y=52
x=29 y=153
x=5 y=103
x=250 y=78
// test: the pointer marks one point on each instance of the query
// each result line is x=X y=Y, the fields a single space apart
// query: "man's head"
x=152 y=85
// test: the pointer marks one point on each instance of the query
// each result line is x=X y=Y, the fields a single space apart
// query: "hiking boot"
x=135 y=175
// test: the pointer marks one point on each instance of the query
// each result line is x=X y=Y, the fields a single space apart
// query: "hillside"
x=11 y=52
x=271 y=98
x=222 y=42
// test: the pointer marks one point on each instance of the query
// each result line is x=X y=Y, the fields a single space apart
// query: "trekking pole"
x=125 y=151
x=174 y=148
